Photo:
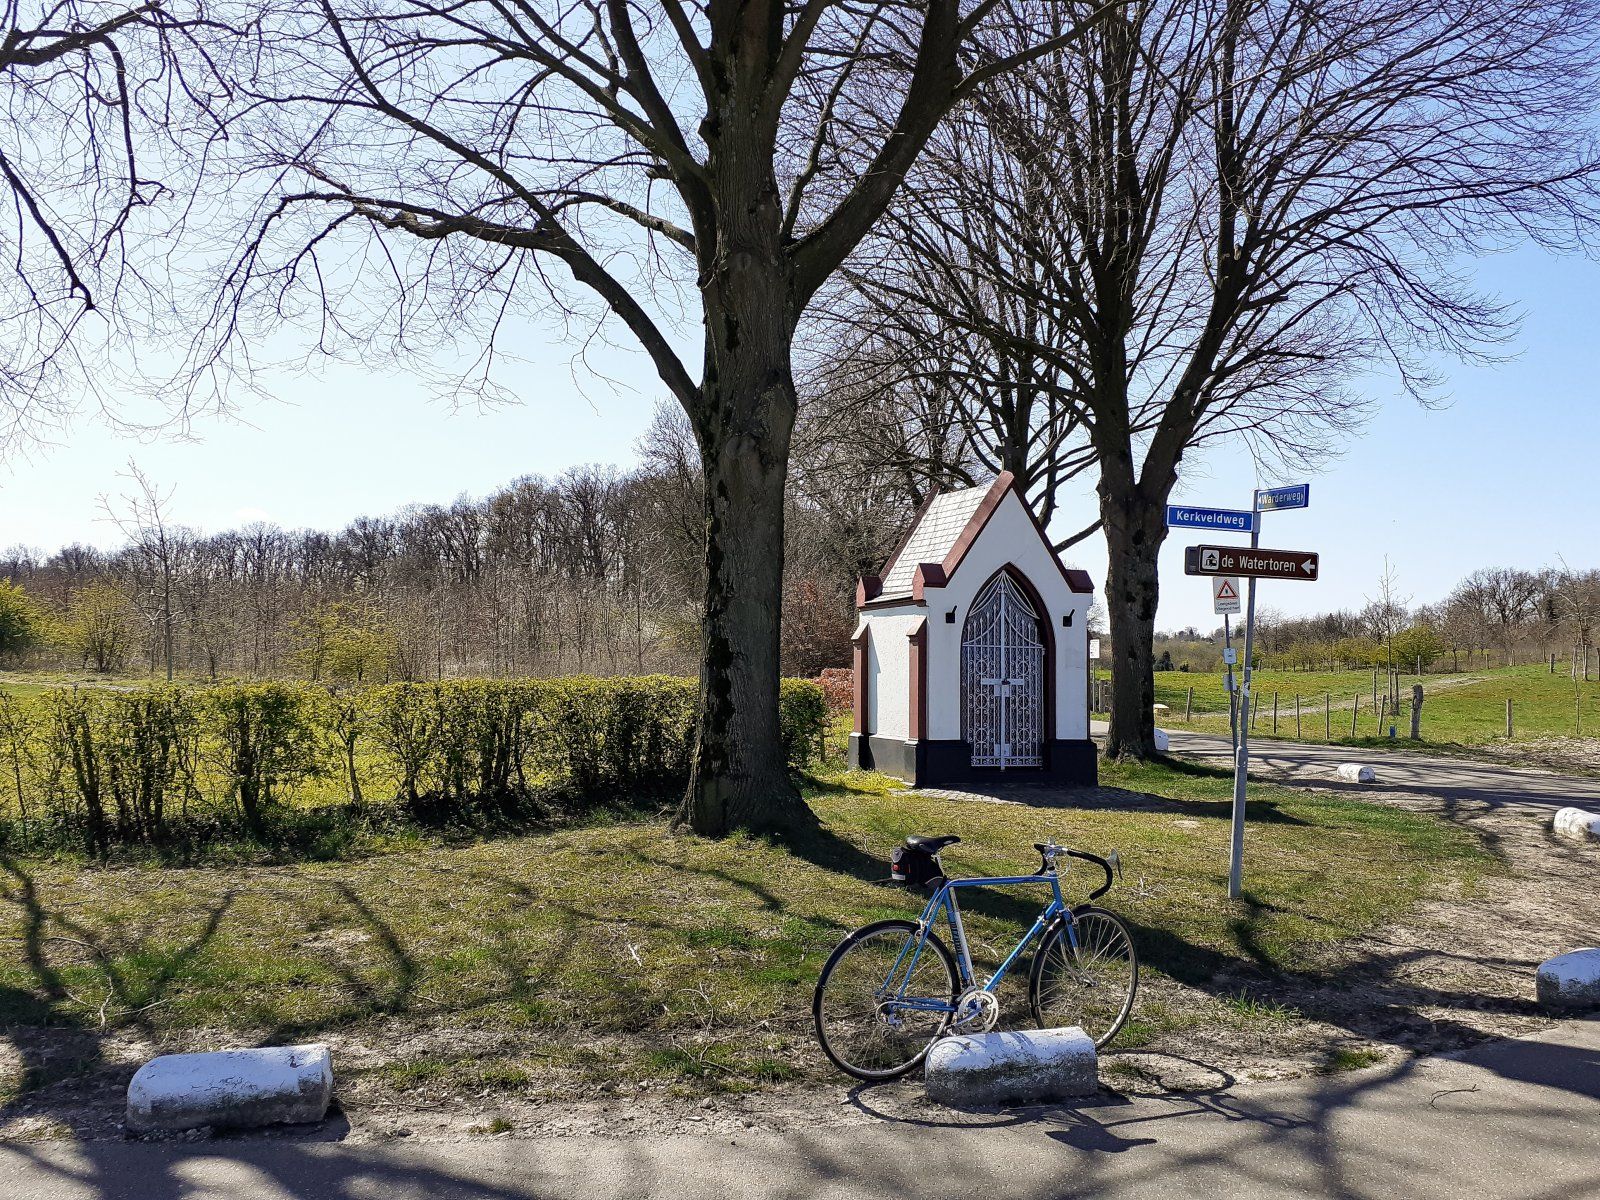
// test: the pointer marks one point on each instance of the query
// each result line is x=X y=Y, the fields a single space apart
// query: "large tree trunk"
x=739 y=775
x=1134 y=530
x=739 y=778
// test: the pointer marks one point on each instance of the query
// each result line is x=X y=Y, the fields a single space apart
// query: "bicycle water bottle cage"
x=916 y=864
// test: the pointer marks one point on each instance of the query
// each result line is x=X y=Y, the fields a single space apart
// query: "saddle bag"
x=915 y=868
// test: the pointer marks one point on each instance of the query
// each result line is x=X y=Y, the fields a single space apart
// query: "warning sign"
x=1225 y=594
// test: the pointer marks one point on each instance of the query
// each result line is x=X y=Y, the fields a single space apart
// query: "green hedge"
x=175 y=767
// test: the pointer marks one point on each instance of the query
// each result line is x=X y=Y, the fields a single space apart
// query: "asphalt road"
x=1512 y=1119
x=1397 y=771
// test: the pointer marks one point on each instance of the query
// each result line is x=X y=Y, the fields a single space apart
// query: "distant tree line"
x=598 y=570
x=1496 y=616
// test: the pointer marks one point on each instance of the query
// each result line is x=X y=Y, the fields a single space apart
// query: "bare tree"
x=1387 y=613
x=1503 y=601
x=1577 y=595
x=651 y=150
x=157 y=548
x=1233 y=208
x=86 y=86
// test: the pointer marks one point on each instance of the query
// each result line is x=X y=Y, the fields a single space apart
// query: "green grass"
x=1350 y=1058
x=1462 y=710
x=599 y=956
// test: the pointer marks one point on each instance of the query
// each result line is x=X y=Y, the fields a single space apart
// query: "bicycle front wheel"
x=882 y=1000
x=1085 y=973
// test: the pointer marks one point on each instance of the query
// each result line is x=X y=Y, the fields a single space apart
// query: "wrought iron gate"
x=1002 y=678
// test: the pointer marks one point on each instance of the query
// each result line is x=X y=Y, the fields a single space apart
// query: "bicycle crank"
x=976 y=1010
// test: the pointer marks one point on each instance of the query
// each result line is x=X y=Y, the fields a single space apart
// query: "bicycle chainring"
x=976 y=1011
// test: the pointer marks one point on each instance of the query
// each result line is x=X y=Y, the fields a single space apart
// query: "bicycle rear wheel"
x=860 y=1007
x=1090 y=984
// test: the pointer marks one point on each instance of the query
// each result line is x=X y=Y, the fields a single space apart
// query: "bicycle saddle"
x=931 y=845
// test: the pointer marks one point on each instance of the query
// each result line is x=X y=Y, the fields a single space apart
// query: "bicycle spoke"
x=859 y=1016
x=1090 y=985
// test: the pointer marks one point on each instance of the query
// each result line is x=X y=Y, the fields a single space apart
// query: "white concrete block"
x=1163 y=742
x=1015 y=1067
x=231 y=1088
x=1576 y=823
x=1356 y=773
x=1570 y=980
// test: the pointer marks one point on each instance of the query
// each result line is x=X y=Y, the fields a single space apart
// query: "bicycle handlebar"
x=1111 y=865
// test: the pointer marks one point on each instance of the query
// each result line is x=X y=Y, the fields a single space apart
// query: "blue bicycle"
x=890 y=989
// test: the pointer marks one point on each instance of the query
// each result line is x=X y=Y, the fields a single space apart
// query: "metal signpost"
x=1253 y=563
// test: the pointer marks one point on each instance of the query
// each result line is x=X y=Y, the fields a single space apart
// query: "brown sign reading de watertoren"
x=1246 y=560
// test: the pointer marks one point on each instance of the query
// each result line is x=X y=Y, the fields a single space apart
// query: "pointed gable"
x=942 y=533
x=934 y=535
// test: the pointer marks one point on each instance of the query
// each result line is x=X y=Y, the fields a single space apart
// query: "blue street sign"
x=1296 y=495
x=1229 y=519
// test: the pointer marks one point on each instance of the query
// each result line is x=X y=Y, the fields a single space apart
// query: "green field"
x=1468 y=709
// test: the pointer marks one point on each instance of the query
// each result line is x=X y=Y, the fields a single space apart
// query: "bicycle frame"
x=945 y=899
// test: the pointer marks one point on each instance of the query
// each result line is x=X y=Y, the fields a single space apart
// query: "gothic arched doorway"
x=1003 y=677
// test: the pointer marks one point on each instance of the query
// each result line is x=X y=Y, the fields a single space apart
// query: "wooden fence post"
x=1188 y=706
x=1297 y=714
x=1354 y=714
x=1508 y=718
x=1416 y=712
x=1383 y=711
x=1327 y=716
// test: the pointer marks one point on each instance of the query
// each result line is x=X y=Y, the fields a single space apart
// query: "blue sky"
x=1509 y=473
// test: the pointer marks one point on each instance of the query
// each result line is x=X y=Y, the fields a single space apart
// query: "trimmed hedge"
x=174 y=767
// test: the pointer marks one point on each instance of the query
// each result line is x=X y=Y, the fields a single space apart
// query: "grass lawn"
x=608 y=958
x=1468 y=709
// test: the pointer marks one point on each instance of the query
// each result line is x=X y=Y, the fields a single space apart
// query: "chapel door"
x=1002 y=678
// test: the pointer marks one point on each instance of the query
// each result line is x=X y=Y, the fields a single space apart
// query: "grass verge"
x=624 y=957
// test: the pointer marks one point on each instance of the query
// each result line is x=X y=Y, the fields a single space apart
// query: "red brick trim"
x=868 y=589
x=858 y=661
x=1003 y=483
x=918 y=709
x=926 y=575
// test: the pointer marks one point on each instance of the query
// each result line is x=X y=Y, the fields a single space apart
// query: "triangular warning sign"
x=1225 y=590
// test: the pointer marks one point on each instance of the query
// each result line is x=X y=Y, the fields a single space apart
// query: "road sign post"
x=1226 y=565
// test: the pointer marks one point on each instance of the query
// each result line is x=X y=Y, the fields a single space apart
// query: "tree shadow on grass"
x=1370 y=998
x=65 y=1069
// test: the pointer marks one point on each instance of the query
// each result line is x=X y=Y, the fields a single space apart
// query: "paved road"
x=1398 y=771
x=1513 y=1119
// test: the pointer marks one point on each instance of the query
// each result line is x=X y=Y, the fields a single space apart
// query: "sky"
x=1507 y=474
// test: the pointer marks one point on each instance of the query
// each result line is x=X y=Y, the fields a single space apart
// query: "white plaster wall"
x=1009 y=537
x=889 y=669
